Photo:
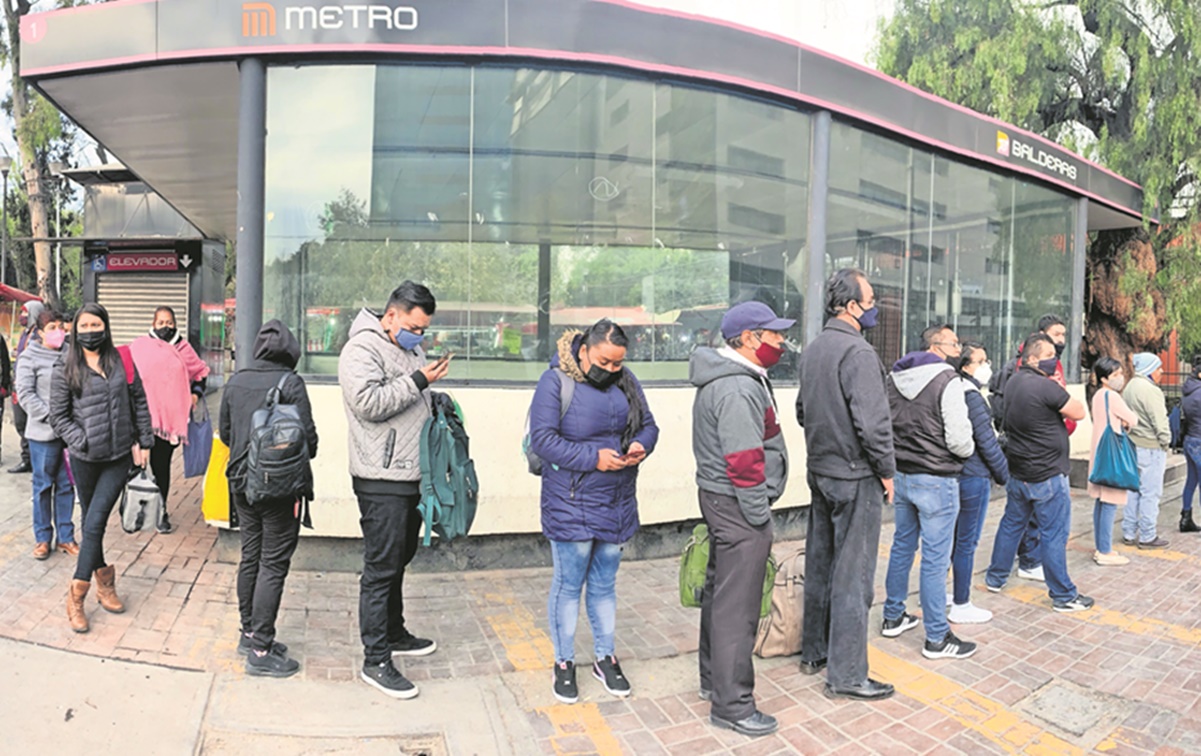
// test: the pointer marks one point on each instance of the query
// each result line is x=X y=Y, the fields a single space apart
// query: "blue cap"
x=752 y=316
x=1145 y=364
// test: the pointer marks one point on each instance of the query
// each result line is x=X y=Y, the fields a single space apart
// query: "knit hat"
x=1145 y=364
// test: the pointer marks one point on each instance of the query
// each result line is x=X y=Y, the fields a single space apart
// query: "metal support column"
x=252 y=154
x=819 y=190
x=1079 y=266
x=544 y=340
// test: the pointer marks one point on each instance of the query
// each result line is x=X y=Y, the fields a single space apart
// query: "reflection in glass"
x=530 y=201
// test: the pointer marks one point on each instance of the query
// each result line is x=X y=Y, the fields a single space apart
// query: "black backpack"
x=996 y=393
x=276 y=462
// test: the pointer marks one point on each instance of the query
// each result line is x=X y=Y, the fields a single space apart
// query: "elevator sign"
x=142 y=262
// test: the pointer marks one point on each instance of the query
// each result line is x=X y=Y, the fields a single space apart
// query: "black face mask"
x=91 y=340
x=1059 y=349
x=165 y=333
x=602 y=378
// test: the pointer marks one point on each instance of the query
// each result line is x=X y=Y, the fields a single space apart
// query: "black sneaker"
x=164 y=526
x=893 y=628
x=22 y=467
x=608 y=671
x=246 y=643
x=949 y=647
x=565 y=687
x=271 y=664
x=389 y=682
x=1078 y=604
x=411 y=645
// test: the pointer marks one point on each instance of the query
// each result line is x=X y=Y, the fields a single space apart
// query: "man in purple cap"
x=741 y=469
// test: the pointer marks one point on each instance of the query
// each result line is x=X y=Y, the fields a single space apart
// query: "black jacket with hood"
x=276 y=352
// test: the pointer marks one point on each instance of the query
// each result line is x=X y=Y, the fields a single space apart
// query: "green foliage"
x=1116 y=81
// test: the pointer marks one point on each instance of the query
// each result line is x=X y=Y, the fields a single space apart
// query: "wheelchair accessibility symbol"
x=99 y=265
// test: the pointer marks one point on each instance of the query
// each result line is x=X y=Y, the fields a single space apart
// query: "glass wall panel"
x=946 y=242
x=499 y=188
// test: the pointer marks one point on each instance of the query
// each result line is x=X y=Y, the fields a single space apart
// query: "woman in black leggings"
x=98 y=407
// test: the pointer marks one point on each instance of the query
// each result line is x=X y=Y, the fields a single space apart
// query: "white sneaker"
x=968 y=614
x=1034 y=574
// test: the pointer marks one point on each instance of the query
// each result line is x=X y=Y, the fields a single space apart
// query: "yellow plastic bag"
x=215 y=502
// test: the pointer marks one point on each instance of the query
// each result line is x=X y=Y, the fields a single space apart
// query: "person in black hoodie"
x=270 y=529
x=1190 y=433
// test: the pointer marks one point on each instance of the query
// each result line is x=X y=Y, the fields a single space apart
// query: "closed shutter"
x=131 y=299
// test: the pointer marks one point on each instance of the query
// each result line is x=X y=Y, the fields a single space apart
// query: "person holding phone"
x=98 y=407
x=591 y=455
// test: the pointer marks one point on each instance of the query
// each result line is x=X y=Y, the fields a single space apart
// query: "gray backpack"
x=566 y=392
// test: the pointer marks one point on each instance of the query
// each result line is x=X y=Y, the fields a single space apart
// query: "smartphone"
x=444 y=357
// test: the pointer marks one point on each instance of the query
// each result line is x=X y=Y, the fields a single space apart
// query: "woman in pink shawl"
x=174 y=377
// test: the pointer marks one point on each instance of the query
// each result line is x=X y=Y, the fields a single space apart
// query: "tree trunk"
x=31 y=168
x=1126 y=310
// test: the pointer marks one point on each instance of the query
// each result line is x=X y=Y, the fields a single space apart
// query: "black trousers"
x=391 y=525
x=20 y=419
x=99 y=485
x=270 y=532
x=733 y=592
x=840 y=570
x=160 y=465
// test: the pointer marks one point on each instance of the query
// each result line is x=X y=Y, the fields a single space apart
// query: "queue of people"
x=921 y=436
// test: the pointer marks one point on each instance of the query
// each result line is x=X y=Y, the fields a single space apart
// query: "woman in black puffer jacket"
x=98 y=407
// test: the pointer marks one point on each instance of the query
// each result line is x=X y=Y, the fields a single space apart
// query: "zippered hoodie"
x=736 y=435
x=386 y=402
x=33 y=389
x=930 y=425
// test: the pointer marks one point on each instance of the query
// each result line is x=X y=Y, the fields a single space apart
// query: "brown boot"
x=75 y=612
x=106 y=591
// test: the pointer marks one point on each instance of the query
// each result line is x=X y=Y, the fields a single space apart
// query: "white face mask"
x=983 y=374
x=1117 y=382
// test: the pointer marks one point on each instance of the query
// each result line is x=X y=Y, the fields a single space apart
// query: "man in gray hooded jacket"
x=932 y=434
x=384 y=377
x=741 y=469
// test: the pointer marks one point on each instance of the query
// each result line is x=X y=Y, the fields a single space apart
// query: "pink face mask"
x=54 y=339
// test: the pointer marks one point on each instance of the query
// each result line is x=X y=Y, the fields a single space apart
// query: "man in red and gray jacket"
x=741 y=469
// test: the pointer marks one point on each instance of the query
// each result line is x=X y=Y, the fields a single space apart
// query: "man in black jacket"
x=843 y=407
x=270 y=529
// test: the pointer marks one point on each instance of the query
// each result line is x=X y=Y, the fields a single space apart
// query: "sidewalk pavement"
x=163 y=678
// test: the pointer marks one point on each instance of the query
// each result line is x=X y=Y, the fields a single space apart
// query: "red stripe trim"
x=746 y=468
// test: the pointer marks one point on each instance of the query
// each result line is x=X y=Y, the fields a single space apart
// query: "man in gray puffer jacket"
x=384 y=378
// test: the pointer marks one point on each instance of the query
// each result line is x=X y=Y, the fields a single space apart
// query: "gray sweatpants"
x=738 y=554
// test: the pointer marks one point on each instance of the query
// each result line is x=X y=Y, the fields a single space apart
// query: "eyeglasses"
x=952 y=344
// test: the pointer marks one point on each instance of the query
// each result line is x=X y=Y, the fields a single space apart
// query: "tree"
x=1115 y=81
x=41 y=131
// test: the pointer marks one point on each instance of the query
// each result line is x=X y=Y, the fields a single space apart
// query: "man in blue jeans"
x=933 y=437
x=1038 y=454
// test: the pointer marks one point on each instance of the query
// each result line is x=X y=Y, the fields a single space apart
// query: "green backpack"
x=695 y=561
x=449 y=488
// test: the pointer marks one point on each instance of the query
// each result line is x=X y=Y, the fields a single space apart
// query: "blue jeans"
x=53 y=494
x=1103 y=516
x=1142 y=506
x=1192 y=459
x=973 y=508
x=1051 y=505
x=1029 y=553
x=926 y=509
x=576 y=563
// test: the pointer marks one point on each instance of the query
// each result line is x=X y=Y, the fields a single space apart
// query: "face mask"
x=165 y=333
x=602 y=378
x=983 y=374
x=92 y=340
x=1059 y=350
x=53 y=339
x=1117 y=382
x=408 y=340
x=23 y=319
x=768 y=354
x=869 y=318
x=1049 y=366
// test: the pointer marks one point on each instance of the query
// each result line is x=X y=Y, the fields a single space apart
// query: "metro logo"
x=258 y=20
x=1002 y=143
